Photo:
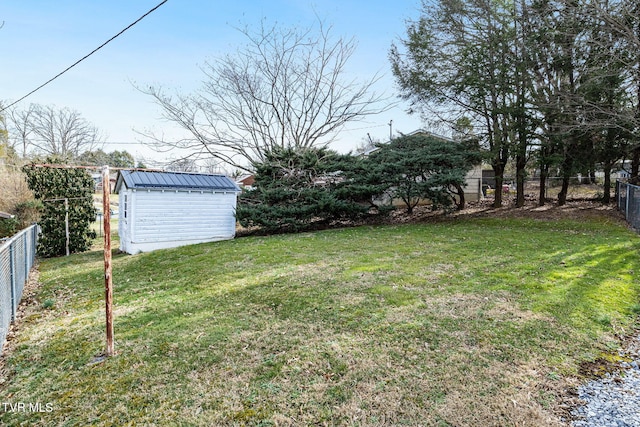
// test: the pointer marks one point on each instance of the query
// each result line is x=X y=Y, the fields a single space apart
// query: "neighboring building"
x=167 y=209
x=97 y=179
x=246 y=181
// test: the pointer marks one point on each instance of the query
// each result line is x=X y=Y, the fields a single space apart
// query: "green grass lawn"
x=474 y=322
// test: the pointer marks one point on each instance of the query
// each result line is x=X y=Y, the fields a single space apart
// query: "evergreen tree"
x=297 y=188
x=118 y=159
x=423 y=167
x=94 y=157
x=466 y=58
x=608 y=114
x=121 y=159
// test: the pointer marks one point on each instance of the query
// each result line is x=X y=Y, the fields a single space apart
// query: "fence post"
x=26 y=257
x=34 y=231
x=66 y=224
x=626 y=208
x=12 y=275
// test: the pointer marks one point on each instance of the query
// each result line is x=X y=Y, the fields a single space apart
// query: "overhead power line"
x=84 y=57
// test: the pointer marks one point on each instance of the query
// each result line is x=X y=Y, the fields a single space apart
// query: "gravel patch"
x=614 y=400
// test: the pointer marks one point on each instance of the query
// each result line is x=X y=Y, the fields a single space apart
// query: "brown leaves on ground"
x=574 y=209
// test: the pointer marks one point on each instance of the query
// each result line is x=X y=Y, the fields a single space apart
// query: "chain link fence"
x=17 y=255
x=628 y=198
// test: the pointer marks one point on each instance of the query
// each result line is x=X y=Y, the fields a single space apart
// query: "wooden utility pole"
x=108 y=282
x=66 y=224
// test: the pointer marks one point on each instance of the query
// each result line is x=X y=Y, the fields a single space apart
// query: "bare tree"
x=48 y=130
x=3 y=129
x=284 y=88
x=63 y=132
x=21 y=128
x=213 y=166
x=623 y=19
x=182 y=165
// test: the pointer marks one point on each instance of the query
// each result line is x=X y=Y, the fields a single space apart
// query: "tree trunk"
x=498 y=169
x=635 y=162
x=544 y=173
x=562 y=196
x=521 y=163
x=542 y=194
x=461 y=199
x=606 y=193
x=497 y=194
x=567 y=169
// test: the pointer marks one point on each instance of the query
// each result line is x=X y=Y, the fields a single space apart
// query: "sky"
x=41 y=38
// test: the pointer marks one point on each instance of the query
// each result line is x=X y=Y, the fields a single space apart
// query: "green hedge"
x=51 y=186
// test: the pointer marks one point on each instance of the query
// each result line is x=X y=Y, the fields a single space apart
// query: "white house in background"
x=167 y=209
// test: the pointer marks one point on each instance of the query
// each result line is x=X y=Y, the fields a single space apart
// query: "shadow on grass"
x=593 y=283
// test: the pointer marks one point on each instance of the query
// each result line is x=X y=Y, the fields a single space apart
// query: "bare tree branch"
x=51 y=131
x=283 y=88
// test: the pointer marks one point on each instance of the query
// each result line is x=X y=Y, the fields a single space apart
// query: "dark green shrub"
x=295 y=189
x=8 y=226
x=51 y=186
x=421 y=167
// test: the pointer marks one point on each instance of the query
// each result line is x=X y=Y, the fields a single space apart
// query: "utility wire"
x=84 y=57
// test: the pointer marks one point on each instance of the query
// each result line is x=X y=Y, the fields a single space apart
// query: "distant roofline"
x=428 y=133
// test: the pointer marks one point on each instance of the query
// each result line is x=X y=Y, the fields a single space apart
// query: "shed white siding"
x=157 y=218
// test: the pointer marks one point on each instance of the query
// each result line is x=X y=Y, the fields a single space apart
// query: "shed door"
x=124 y=217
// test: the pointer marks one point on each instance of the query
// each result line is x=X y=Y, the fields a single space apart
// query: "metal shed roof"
x=174 y=181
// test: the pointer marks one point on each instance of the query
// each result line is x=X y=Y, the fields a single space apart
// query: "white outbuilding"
x=168 y=209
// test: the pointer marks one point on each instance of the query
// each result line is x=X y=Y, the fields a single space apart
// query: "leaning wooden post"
x=108 y=282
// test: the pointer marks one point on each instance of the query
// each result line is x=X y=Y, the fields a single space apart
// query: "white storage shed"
x=167 y=209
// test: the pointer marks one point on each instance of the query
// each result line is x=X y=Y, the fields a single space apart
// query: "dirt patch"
x=582 y=202
x=614 y=361
x=573 y=209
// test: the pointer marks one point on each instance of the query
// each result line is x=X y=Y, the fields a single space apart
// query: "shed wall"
x=158 y=219
x=473 y=189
